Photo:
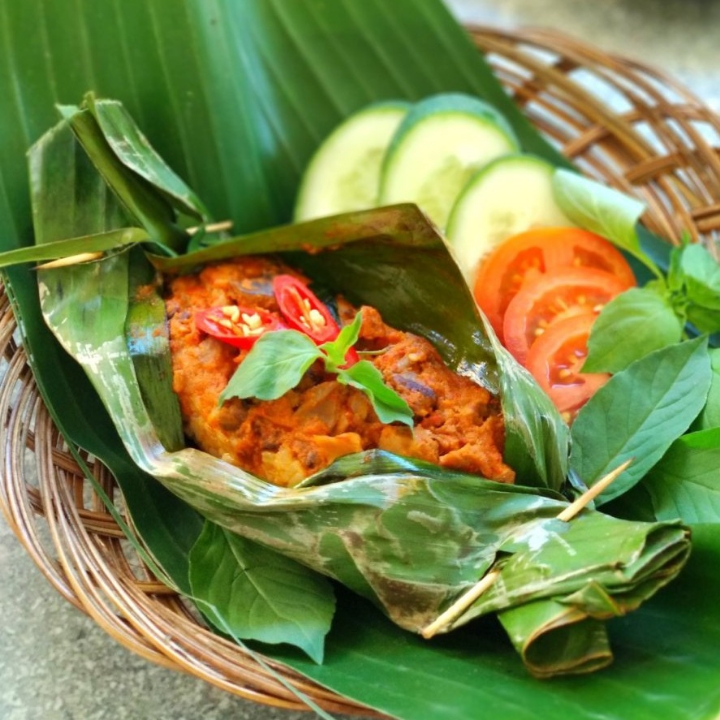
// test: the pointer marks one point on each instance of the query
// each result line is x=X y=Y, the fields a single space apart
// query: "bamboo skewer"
x=468 y=598
x=461 y=604
x=89 y=256
x=592 y=492
x=70 y=260
x=213 y=227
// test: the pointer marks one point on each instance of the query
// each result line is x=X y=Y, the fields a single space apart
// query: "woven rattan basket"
x=618 y=120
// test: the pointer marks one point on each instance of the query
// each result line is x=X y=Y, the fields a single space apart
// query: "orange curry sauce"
x=458 y=424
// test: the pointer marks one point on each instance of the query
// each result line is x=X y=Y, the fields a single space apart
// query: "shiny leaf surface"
x=261 y=594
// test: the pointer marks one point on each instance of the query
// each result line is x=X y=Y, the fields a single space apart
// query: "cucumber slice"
x=441 y=142
x=508 y=196
x=344 y=173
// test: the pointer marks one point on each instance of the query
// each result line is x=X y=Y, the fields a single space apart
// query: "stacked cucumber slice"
x=437 y=148
x=453 y=155
x=506 y=197
x=344 y=173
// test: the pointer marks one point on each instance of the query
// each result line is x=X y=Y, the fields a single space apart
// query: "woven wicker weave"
x=618 y=120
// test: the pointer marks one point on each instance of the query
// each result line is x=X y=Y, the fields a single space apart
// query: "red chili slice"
x=237 y=325
x=302 y=309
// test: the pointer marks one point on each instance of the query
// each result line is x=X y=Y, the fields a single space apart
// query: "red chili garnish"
x=236 y=325
x=304 y=311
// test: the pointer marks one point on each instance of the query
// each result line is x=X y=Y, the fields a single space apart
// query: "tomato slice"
x=554 y=296
x=237 y=325
x=525 y=256
x=555 y=360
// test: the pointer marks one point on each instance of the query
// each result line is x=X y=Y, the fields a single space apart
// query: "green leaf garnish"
x=602 y=210
x=279 y=359
x=260 y=593
x=638 y=413
x=701 y=275
x=685 y=483
x=710 y=415
x=337 y=349
x=694 y=280
x=276 y=364
x=388 y=405
x=645 y=320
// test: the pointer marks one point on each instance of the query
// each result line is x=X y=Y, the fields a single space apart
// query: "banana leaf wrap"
x=408 y=535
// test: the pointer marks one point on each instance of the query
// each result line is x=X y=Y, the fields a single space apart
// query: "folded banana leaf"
x=237 y=95
x=407 y=535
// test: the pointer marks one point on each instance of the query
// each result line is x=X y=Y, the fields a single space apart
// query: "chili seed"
x=316 y=318
x=232 y=312
x=253 y=321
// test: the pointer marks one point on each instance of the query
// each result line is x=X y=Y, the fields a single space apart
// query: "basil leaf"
x=602 y=210
x=674 y=273
x=701 y=277
x=710 y=415
x=259 y=593
x=630 y=326
x=337 y=349
x=638 y=413
x=388 y=405
x=274 y=365
x=703 y=319
x=686 y=482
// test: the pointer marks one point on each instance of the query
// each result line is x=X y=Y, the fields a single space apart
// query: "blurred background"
x=678 y=36
x=55 y=663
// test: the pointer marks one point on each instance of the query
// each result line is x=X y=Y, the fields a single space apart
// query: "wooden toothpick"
x=213 y=227
x=592 y=492
x=468 y=598
x=460 y=605
x=70 y=260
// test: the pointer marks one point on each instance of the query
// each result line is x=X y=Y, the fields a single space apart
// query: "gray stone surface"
x=55 y=663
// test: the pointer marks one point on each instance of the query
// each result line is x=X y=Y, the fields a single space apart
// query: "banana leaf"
x=368 y=264
x=237 y=95
x=407 y=535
